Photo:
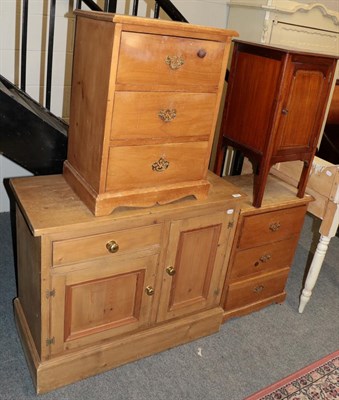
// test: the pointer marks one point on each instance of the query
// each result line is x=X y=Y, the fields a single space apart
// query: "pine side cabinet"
x=97 y=292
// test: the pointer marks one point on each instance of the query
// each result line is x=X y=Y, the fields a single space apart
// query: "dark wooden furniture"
x=274 y=109
x=263 y=247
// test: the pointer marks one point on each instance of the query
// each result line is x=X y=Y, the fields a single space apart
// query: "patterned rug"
x=318 y=381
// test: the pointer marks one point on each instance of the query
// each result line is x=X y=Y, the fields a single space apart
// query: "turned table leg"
x=314 y=271
x=327 y=230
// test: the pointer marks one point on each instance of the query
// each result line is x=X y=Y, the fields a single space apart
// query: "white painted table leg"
x=313 y=273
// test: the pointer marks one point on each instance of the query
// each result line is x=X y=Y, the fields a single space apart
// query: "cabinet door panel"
x=307 y=88
x=100 y=301
x=195 y=254
x=103 y=303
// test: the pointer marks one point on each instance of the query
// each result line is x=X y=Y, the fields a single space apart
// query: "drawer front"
x=132 y=167
x=153 y=60
x=162 y=115
x=271 y=226
x=269 y=257
x=108 y=244
x=252 y=290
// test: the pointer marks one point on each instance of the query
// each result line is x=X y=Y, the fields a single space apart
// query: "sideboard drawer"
x=149 y=166
x=147 y=59
x=106 y=244
x=162 y=115
x=269 y=257
x=255 y=289
x=271 y=226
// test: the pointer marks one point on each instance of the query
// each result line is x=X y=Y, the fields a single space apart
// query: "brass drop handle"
x=161 y=165
x=258 y=289
x=149 y=291
x=201 y=53
x=174 y=62
x=112 y=246
x=275 y=226
x=265 y=258
x=167 y=115
x=170 y=270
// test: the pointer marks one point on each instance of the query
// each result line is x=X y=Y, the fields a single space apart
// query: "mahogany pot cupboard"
x=274 y=109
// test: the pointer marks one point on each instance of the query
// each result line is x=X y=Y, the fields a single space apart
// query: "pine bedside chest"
x=144 y=104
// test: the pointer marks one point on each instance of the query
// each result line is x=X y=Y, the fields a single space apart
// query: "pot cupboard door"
x=193 y=266
x=94 y=302
x=307 y=85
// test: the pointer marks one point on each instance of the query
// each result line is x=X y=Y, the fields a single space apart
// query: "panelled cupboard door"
x=193 y=265
x=307 y=85
x=99 y=300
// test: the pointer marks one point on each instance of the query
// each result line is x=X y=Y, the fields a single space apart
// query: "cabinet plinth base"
x=104 y=204
x=71 y=367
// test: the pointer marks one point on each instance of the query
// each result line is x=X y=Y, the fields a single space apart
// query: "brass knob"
x=275 y=226
x=149 y=291
x=201 y=53
x=284 y=111
x=112 y=246
x=258 y=289
x=170 y=271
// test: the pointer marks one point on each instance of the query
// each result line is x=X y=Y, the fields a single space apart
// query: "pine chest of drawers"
x=263 y=248
x=144 y=104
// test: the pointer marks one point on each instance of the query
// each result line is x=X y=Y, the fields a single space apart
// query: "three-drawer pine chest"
x=144 y=105
x=264 y=246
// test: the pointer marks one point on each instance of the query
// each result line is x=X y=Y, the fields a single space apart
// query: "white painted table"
x=323 y=185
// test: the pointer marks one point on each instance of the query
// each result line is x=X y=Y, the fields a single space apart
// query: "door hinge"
x=230 y=225
x=50 y=341
x=50 y=293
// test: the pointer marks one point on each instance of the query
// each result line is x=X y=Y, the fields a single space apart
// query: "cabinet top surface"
x=278 y=194
x=284 y=49
x=49 y=204
x=168 y=27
